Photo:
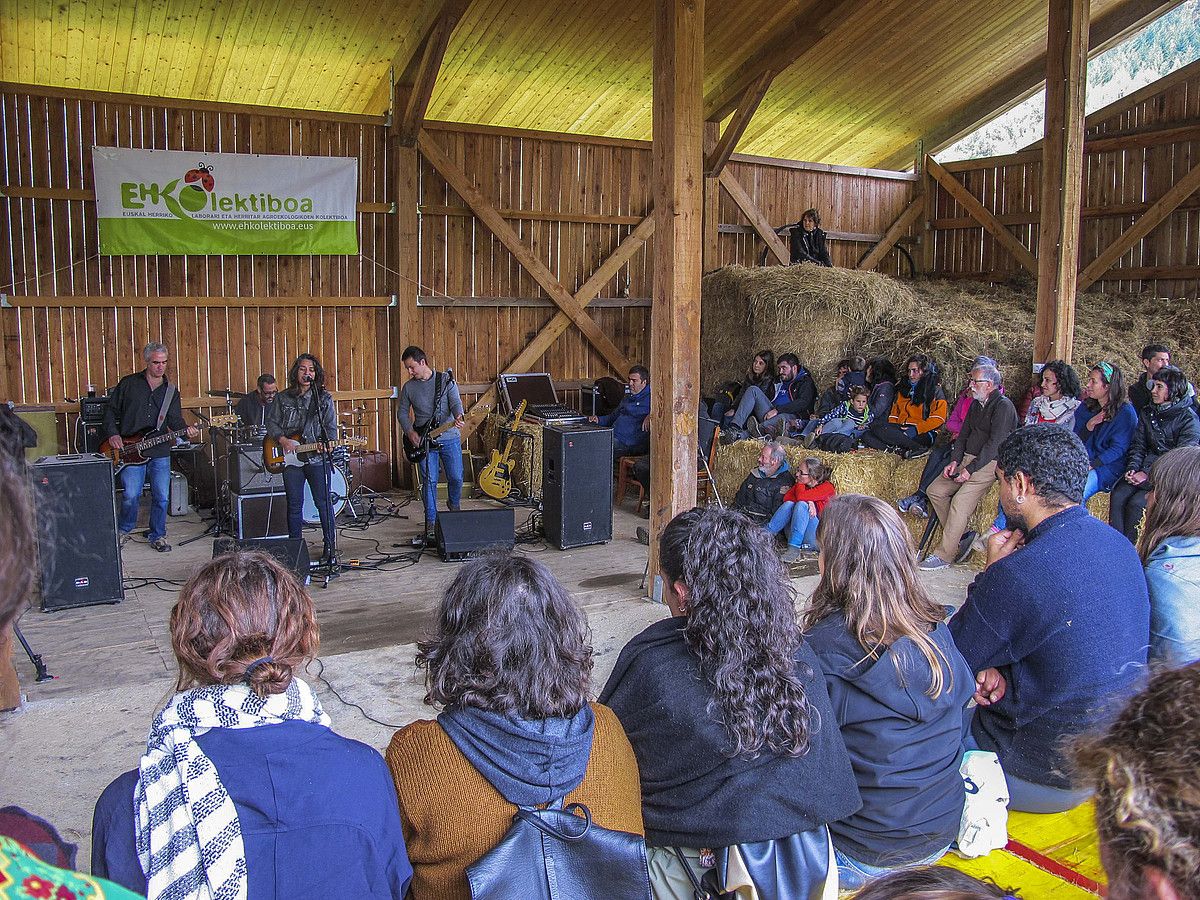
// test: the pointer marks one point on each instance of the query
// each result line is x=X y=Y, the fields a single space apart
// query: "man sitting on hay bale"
x=795 y=396
x=762 y=492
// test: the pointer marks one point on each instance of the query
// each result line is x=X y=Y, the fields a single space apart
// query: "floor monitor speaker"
x=467 y=533
x=577 y=486
x=78 y=554
x=291 y=553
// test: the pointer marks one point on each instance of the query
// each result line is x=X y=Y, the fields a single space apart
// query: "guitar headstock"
x=355 y=441
x=221 y=421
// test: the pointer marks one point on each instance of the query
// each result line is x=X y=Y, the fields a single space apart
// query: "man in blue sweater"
x=629 y=422
x=1056 y=627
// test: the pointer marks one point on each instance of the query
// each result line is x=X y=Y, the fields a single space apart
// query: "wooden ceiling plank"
x=733 y=132
x=761 y=224
x=971 y=204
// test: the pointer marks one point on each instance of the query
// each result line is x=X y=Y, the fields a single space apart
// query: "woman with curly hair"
x=1170 y=550
x=726 y=708
x=899 y=688
x=1059 y=396
x=244 y=791
x=1146 y=772
x=509 y=663
x=918 y=411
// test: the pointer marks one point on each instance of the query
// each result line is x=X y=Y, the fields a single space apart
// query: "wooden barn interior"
x=542 y=187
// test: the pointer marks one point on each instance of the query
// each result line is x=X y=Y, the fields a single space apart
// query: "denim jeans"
x=853 y=874
x=446 y=451
x=294 y=478
x=752 y=403
x=133 y=479
x=803 y=524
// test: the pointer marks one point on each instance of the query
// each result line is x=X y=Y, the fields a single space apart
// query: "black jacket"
x=759 y=496
x=693 y=795
x=133 y=408
x=1160 y=430
x=809 y=246
x=802 y=391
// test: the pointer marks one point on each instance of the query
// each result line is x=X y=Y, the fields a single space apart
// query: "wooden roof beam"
x=760 y=222
x=418 y=67
x=1106 y=31
x=789 y=43
x=733 y=132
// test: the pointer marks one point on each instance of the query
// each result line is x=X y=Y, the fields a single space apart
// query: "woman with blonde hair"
x=899 y=688
x=1170 y=550
x=244 y=791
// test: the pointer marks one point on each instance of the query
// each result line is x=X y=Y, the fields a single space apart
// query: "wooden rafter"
x=759 y=222
x=415 y=68
x=560 y=322
x=903 y=222
x=715 y=160
x=788 y=44
x=981 y=214
x=490 y=216
x=1150 y=219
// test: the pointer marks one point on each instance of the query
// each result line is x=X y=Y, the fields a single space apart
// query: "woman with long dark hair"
x=881 y=382
x=1170 y=550
x=726 y=708
x=917 y=412
x=509 y=664
x=899 y=688
x=1105 y=422
x=244 y=791
x=760 y=374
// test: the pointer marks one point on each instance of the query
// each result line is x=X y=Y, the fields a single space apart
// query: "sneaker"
x=917 y=453
x=161 y=545
x=932 y=564
x=966 y=546
x=733 y=434
x=810 y=439
x=126 y=537
x=790 y=555
x=919 y=509
x=643 y=535
x=905 y=504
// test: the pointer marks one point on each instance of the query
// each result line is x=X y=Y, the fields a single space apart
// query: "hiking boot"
x=966 y=546
x=161 y=545
x=790 y=555
x=753 y=428
x=810 y=439
x=126 y=537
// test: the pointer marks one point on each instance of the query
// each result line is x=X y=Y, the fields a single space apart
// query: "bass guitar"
x=496 y=478
x=414 y=453
x=135 y=445
x=276 y=459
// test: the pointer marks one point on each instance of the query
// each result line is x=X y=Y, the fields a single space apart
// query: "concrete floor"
x=115 y=667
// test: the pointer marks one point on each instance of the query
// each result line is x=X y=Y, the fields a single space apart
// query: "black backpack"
x=559 y=853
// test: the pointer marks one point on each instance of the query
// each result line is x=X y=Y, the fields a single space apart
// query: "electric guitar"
x=496 y=478
x=131 y=454
x=276 y=459
x=414 y=453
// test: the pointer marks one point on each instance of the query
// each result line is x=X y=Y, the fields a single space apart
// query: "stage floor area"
x=115 y=667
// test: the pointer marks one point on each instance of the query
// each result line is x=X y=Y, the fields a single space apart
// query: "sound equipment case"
x=577 y=485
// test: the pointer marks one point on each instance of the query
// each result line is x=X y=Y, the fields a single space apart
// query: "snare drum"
x=338 y=491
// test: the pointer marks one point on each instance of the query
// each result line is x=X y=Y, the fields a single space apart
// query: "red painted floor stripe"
x=1054 y=867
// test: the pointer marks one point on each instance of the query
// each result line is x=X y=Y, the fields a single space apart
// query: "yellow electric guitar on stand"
x=496 y=478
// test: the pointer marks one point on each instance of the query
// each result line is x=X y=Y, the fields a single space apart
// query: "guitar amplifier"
x=246 y=473
x=258 y=515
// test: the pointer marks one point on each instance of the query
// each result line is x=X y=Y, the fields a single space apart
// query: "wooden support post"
x=1062 y=179
x=403 y=319
x=678 y=209
x=760 y=223
x=981 y=214
x=712 y=202
x=911 y=213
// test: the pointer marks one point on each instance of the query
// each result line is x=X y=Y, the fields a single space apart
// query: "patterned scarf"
x=189 y=840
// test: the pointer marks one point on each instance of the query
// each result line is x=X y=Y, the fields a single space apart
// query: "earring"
x=1020 y=500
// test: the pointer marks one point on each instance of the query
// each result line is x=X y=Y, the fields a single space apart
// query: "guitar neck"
x=308 y=448
x=158 y=439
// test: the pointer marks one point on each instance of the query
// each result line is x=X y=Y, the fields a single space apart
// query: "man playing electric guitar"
x=304 y=414
x=427 y=401
x=143 y=402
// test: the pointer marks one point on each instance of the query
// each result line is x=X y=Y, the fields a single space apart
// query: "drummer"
x=252 y=409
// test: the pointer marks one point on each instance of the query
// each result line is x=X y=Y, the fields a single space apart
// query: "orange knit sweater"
x=452 y=816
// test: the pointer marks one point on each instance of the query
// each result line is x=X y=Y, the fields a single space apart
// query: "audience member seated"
x=1105 y=422
x=808 y=243
x=1167 y=422
x=972 y=467
x=244 y=790
x=509 y=663
x=881 y=382
x=899 y=688
x=1056 y=626
x=1059 y=397
x=762 y=492
x=840 y=430
x=1170 y=548
x=918 y=411
x=630 y=421
x=1145 y=769
x=728 y=714
x=851 y=371
x=761 y=375
x=794 y=397
x=22 y=861
x=1154 y=357
x=800 y=512
x=917 y=502
x=933 y=883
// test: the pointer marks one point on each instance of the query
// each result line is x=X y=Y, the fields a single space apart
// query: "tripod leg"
x=43 y=674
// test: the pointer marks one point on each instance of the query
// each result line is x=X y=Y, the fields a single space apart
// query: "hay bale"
x=526 y=454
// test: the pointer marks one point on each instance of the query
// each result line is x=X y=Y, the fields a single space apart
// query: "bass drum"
x=338 y=489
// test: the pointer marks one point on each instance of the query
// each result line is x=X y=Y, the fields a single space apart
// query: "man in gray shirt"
x=423 y=407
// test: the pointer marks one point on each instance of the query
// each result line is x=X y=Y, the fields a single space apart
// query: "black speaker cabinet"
x=292 y=553
x=258 y=515
x=78 y=554
x=468 y=533
x=577 y=486
x=246 y=472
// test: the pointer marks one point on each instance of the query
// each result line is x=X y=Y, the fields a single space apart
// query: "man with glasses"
x=252 y=409
x=972 y=467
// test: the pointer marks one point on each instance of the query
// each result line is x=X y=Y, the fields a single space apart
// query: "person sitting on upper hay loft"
x=918 y=411
x=808 y=241
x=794 y=398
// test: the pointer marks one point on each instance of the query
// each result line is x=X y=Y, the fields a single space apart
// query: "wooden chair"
x=624 y=476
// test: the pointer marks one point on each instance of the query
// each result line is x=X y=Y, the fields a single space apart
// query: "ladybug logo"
x=202 y=174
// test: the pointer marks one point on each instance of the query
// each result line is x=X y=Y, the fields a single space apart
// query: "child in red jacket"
x=802 y=507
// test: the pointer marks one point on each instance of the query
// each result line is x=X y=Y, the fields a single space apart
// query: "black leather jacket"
x=1161 y=429
x=760 y=497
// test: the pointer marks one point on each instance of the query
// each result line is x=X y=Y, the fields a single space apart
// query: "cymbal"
x=226 y=394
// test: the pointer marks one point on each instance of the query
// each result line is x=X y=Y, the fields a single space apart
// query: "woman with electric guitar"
x=301 y=415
